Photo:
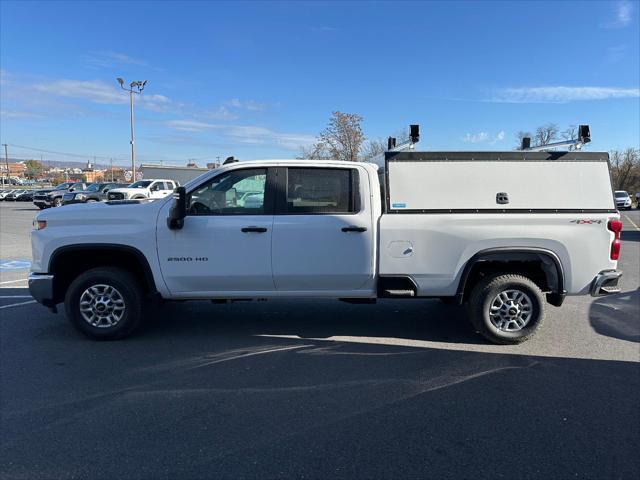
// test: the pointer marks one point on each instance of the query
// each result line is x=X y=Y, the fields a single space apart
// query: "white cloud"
x=246 y=104
x=475 y=137
x=97 y=91
x=110 y=59
x=622 y=15
x=16 y=114
x=562 y=94
x=190 y=125
x=484 y=137
x=246 y=134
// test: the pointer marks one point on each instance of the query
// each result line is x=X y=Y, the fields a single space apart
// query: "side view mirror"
x=105 y=190
x=178 y=211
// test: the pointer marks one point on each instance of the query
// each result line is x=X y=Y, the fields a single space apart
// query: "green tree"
x=33 y=169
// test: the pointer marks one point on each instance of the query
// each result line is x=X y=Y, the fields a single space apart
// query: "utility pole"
x=134 y=87
x=111 y=168
x=6 y=161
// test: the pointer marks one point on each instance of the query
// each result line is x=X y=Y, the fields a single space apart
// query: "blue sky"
x=257 y=80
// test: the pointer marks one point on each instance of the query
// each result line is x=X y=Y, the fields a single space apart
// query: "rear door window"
x=321 y=191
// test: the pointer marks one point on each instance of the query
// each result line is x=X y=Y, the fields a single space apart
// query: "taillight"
x=616 y=227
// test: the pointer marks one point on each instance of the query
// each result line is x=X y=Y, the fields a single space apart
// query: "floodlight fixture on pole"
x=134 y=87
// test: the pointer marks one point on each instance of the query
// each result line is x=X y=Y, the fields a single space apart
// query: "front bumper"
x=605 y=283
x=41 y=288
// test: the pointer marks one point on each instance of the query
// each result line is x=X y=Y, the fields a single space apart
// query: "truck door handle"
x=253 y=229
x=354 y=229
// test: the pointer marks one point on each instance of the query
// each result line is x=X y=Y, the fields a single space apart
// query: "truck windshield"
x=94 y=187
x=64 y=186
x=140 y=184
x=621 y=194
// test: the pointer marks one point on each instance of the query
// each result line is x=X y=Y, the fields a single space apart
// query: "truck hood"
x=143 y=191
x=102 y=214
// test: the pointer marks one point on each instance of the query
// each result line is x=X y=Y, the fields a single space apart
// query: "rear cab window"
x=321 y=191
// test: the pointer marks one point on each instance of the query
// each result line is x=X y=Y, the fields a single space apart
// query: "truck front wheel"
x=507 y=309
x=105 y=303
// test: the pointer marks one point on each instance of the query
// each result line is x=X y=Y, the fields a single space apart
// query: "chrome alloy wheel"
x=511 y=310
x=102 y=306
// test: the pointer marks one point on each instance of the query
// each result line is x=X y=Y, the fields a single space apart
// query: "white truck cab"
x=524 y=230
x=152 y=188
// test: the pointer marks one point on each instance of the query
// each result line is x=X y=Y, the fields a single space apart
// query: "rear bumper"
x=41 y=288
x=605 y=283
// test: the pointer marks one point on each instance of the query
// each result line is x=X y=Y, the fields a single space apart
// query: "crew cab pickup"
x=96 y=192
x=143 y=189
x=525 y=230
x=54 y=197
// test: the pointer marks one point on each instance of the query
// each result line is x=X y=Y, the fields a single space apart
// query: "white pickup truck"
x=153 y=188
x=504 y=232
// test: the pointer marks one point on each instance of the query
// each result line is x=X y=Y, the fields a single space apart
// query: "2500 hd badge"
x=187 y=259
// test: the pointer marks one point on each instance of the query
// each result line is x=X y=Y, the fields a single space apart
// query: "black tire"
x=482 y=297
x=57 y=202
x=126 y=285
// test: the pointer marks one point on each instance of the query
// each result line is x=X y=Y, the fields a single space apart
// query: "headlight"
x=39 y=224
x=80 y=196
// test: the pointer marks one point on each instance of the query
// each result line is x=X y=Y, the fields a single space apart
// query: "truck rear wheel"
x=507 y=309
x=105 y=303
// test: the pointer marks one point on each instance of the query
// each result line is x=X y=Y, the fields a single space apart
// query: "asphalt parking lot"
x=317 y=389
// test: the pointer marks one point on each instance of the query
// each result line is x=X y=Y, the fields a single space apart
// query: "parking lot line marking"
x=15 y=296
x=631 y=222
x=13 y=281
x=17 y=304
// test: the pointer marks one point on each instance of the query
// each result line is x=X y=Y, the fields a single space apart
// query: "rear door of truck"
x=323 y=231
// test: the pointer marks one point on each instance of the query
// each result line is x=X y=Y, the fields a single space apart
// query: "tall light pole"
x=134 y=87
x=6 y=162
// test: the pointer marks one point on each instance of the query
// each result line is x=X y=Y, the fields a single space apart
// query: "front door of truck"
x=224 y=248
x=323 y=235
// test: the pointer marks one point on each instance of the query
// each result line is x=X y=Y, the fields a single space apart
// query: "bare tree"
x=625 y=169
x=317 y=151
x=546 y=134
x=372 y=148
x=570 y=133
x=340 y=140
x=343 y=136
x=520 y=135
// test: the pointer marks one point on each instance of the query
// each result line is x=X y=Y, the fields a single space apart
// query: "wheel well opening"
x=67 y=265
x=536 y=270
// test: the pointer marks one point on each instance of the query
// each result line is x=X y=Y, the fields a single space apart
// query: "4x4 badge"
x=586 y=221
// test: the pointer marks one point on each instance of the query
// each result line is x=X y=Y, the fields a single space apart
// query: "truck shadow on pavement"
x=419 y=319
x=630 y=236
x=201 y=394
x=617 y=316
